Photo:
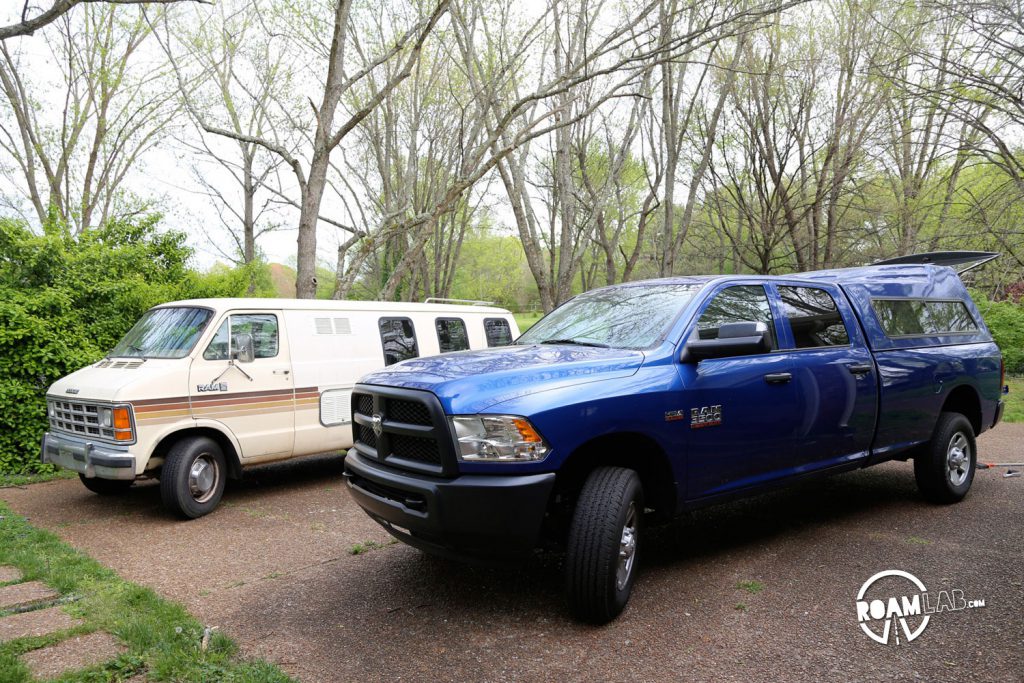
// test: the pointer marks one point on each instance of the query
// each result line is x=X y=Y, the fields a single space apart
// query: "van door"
x=253 y=398
x=740 y=409
x=833 y=373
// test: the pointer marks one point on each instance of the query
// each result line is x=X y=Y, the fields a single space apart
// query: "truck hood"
x=124 y=379
x=472 y=381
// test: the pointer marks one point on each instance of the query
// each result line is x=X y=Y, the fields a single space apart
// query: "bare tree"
x=31 y=22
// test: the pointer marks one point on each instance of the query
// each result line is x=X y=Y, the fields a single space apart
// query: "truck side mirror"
x=242 y=348
x=734 y=339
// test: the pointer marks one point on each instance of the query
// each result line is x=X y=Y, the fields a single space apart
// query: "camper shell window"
x=923 y=317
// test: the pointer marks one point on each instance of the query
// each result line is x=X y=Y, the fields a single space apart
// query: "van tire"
x=944 y=469
x=106 y=487
x=192 y=481
x=597 y=584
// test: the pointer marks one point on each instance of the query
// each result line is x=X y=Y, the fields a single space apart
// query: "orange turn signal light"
x=526 y=431
x=121 y=419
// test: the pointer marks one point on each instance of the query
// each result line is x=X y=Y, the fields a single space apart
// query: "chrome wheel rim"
x=627 y=548
x=203 y=477
x=958 y=459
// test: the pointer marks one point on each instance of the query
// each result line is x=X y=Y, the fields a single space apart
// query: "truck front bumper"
x=87 y=458
x=469 y=517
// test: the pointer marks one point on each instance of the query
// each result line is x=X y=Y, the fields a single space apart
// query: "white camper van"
x=198 y=390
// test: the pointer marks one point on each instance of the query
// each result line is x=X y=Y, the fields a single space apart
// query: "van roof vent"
x=333 y=325
x=342 y=326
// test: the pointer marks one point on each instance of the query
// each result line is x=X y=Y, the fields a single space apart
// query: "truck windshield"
x=631 y=317
x=164 y=333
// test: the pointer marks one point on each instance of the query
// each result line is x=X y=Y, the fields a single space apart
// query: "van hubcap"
x=958 y=458
x=627 y=549
x=203 y=477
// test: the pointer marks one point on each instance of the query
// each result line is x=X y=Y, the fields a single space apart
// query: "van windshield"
x=164 y=333
x=630 y=317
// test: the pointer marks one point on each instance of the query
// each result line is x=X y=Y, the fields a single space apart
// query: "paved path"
x=272 y=568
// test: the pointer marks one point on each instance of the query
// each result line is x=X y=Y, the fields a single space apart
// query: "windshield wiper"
x=577 y=342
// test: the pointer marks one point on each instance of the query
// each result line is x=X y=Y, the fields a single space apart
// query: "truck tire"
x=193 y=477
x=604 y=536
x=106 y=487
x=944 y=469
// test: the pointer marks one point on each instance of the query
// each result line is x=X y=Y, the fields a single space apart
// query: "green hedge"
x=65 y=300
x=1005 y=320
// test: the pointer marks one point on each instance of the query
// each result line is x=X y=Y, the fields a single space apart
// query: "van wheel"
x=945 y=468
x=106 y=487
x=604 y=538
x=193 y=476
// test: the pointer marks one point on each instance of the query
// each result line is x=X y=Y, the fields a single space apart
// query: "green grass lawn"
x=1014 y=400
x=163 y=640
x=527 y=320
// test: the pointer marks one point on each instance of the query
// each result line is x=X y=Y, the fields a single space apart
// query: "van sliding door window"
x=813 y=317
x=498 y=332
x=398 y=337
x=451 y=334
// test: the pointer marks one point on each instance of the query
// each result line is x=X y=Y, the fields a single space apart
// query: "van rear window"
x=922 y=317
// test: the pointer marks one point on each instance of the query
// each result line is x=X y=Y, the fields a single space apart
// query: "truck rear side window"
x=398 y=337
x=451 y=334
x=813 y=317
x=742 y=303
x=922 y=317
x=498 y=332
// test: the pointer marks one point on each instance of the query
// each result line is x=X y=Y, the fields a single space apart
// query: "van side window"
x=262 y=327
x=451 y=334
x=813 y=317
x=742 y=303
x=498 y=332
x=919 y=317
x=398 y=337
x=218 y=347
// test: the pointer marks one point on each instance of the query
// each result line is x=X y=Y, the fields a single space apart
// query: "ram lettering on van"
x=219 y=386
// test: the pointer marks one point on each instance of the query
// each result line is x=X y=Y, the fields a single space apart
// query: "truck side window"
x=917 y=317
x=451 y=334
x=742 y=303
x=813 y=317
x=498 y=332
x=398 y=337
x=262 y=327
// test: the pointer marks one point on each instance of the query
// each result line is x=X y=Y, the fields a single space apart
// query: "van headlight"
x=106 y=416
x=497 y=438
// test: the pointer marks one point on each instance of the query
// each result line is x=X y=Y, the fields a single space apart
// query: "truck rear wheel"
x=603 y=541
x=106 y=487
x=945 y=468
x=192 y=481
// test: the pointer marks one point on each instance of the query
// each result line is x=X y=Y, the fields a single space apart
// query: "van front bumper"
x=468 y=517
x=89 y=459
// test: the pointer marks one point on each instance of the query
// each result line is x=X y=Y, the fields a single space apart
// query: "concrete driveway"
x=273 y=568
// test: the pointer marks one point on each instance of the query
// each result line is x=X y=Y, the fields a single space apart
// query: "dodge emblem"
x=378 y=425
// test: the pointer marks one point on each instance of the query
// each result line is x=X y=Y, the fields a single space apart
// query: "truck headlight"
x=497 y=438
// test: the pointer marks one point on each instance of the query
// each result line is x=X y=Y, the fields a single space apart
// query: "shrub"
x=1006 y=322
x=66 y=300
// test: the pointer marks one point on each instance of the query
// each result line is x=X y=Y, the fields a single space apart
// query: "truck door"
x=740 y=409
x=833 y=375
x=252 y=398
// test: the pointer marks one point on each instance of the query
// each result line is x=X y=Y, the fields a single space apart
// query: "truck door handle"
x=778 y=377
x=859 y=368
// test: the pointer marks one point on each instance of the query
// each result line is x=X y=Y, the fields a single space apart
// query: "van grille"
x=78 y=418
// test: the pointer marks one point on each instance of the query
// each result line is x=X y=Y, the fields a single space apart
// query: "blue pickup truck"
x=633 y=403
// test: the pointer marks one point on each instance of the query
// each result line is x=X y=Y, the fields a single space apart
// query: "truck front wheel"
x=193 y=476
x=603 y=542
x=106 y=487
x=945 y=468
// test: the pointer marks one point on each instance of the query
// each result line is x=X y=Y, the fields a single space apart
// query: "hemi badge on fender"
x=673 y=415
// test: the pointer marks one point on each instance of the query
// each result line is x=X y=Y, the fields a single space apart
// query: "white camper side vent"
x=336 y=407
x=323 y=326
x=342 y=326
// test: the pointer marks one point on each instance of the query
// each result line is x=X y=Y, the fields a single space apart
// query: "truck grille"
x=78 y=418
x=413 y=430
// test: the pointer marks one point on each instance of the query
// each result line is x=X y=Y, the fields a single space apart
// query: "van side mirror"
x=734 y=339
x=242 y=348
